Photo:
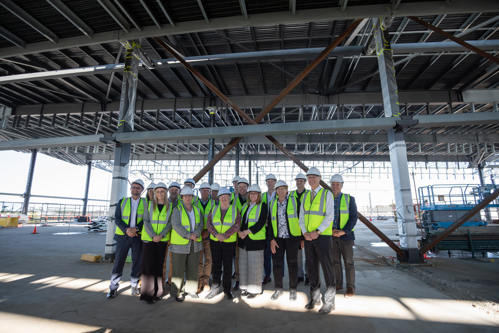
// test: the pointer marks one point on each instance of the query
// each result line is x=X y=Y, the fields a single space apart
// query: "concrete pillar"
x=398 y=149
x=119 y=184
x=238 y=150
x=87 y=186
x=211 y=147
x=29 y=181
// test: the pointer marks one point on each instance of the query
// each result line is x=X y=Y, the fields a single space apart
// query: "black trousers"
x=153 y=257
x=290 y=247
x=222 y=254
x=320 y=252
x=123 y=244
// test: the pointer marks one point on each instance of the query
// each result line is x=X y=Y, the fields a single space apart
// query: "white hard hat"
x=187 y=191
x=313 y=171
x=254 y=188
x=205 y=185
x=140 y=182
x=190 y=180
x=223 y=190
x=235 y=179
x=300 y=176
x=160 y=185
x=243 y=180
x=175 y=184
x=336 y=179
x=270 y=176
x=280 y=183
x=151 y=186
x=215 y=187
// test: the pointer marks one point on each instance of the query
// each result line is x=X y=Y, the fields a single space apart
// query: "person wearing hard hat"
x=155 y=237
x=252 y=243
x=129 y=221
x=235 y=181
x=186 y=244
x=284 y=230
x=173 y=199
x=316 y=223
x=223 y=225
x=192 y=184
x=267 y=197
x=150 y=192
x=215 y=187
x=301 y=181
x=205 y=204
x=239 y=200
x=345 y=218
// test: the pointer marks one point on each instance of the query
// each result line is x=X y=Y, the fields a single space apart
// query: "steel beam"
x=71 y=17
x=238 y=151
x=29 y=181
x=87 y=186
x=211 y=145
x=12 y=38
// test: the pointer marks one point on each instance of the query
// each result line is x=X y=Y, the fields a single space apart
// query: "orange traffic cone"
x=34 y=230
x=370 y=219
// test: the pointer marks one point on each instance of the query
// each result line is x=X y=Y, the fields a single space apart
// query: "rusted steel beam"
x=491 y=197
x=455 y=39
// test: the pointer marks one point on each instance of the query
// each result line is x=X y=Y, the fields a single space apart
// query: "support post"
x=480 y=167
x=29 y=181
x=398 y=149
x=238 y=151
x=87 y=186
x=122 y=151
x=249 y=170
x=211 y=146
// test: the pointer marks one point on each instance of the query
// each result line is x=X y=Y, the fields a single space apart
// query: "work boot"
x=266 y=280
x=350 y=292
x=292 y=295
x=312 y=304
x=276 y=295
x=214 y=292
x=326 y=308
x=338 y=288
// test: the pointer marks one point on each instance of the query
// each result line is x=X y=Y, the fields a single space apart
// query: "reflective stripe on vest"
x=253 y=217
x=229 y=221
x=159 y=220
x=293 y=222
x=126 y=211
x=316 y=211
x=176 y=239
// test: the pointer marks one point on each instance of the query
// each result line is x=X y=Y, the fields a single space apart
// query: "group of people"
x=207 y=235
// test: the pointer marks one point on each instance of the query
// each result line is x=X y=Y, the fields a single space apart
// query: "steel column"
x=249 y=170
x=398 y=150
x=479 y=167
x=87 y=186
x=238 y=152
x=211 y=146
x=29 y=182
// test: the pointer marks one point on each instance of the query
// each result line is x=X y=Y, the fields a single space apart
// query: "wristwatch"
x=318 y=231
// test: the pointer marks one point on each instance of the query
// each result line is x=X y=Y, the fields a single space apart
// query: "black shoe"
x=251 y=296
x=157 y=299
x=235 y=287
x=300 y=279
x=326 y=308
x=112 y=293
x=214 y=292
x=292 y=295
x=180 y=298
x=149 y=302
x=244 y=293
x=229 y=295
x=266 y=280
x=276 y=295
x=312 y=304
x=307 y=281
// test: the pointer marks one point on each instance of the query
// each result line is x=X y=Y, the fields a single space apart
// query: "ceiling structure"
x=61 y=70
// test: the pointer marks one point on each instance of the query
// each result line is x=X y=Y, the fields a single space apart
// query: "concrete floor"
x=45 y=287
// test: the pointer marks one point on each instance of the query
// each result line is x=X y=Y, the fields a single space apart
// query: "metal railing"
x=52 y=212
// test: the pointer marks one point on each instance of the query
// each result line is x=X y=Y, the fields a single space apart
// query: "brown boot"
x=350 y=292
x=206 y=285
x=200 y=286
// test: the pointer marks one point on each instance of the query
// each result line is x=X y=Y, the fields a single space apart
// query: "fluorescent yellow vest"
x=205 y=211
x=344 y=210
x=158 y=222
x=316 y=211
x=229 y=221
x=253 y=217
x=176 y=238
x=265 y=198
x=294 y=225
x=126 y=212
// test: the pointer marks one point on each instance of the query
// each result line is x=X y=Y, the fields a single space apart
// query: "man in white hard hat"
x=316 y=223
x=192 y=184
x=205 y=204
x=267 y=197
x=173 y=199
x=215 y=187
x=129 y=221
x=301 y=181
x=235 y=181
x=345 y=218
x=239 y=201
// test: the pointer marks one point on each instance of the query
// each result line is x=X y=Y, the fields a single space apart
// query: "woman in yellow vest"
x=223 y=224
x=285 y=234
x=187 y=225
x=155 y=236
x=252 y=243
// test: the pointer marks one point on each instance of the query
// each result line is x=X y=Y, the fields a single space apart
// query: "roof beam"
x=71 y=17
x=116 y=16
x=165 y=12
x=12 y=38
x=200 y=3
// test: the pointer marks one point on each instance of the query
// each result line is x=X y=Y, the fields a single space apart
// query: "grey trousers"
x=250 y=270
x=343 y=248
x=189 y=264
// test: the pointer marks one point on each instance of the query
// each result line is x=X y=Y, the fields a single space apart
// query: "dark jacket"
x=247 y=243
x=270 y=229
x=352 y=221
x=119 y=221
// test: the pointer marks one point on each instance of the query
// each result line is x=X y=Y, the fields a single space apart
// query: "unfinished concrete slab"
x=45 y=287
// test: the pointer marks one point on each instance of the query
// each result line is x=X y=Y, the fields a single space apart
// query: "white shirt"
x=328 y=219
x=133 y=214
x=192 y=219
